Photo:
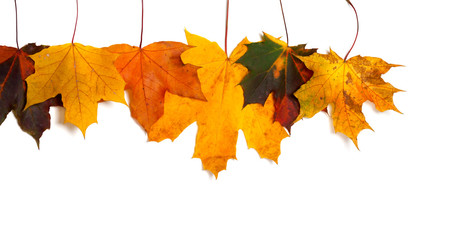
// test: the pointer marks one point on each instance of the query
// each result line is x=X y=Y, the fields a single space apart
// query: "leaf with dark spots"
x=274 y=67
x=15 y=67
x=346 y=85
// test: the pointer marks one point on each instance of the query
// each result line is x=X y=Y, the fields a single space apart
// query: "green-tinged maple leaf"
x=15 y=66
x=274 y=67
x=222 y=115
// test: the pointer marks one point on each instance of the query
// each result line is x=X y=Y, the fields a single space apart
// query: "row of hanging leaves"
x=262 y=88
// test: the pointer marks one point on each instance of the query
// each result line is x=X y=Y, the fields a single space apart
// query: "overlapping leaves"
x=274 y=67
x=15 y=67
x=152 y=71
x=83 y=75
x=222 y=115
x=261 y=89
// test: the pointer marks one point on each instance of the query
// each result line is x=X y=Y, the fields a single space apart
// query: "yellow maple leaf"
x=222 y=115
x=346 y=85
x=83 y=75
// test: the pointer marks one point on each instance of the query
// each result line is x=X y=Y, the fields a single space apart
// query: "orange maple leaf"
x=152 y=71
x=346 y=85
x=222 y=115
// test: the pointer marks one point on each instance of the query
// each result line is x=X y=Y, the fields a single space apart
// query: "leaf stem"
x=358 y=26
x=284 y=22
x=226 y=25
x=141 y=31
x=76 y=22
x=16 y=14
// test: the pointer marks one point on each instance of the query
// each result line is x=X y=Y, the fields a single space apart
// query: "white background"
x=410 y=179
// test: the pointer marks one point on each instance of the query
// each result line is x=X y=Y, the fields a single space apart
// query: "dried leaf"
x=346 y=86
x=15 y=66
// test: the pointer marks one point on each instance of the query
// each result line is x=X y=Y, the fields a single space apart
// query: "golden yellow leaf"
x=220 y=118
x=83 y=75
x=346 y=85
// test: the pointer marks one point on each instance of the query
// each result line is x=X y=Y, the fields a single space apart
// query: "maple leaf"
x=346 y=85
x=152 y=71
x=15 y=66
x=222 y=115
x=83 y=75
x=274 y=67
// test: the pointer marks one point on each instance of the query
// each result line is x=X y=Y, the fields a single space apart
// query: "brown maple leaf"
x=15 y=66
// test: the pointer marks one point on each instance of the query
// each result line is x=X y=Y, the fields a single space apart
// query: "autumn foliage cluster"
x=262 y=88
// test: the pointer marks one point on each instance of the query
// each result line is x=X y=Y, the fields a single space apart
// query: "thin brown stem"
x=141 y=31
x=226 y=25
x=16 y=14
x=76 y=22
x=284 y=22
x=358 y=26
